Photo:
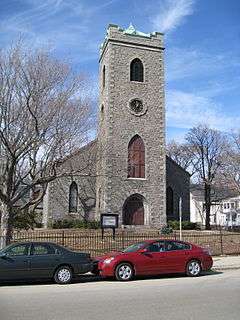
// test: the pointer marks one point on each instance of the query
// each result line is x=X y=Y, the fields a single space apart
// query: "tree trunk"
x=207 y=190
x=6 y=226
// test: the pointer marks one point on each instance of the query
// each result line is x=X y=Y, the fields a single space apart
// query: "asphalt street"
x=212 y=296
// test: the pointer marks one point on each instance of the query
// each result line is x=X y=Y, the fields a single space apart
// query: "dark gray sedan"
x=42 y=260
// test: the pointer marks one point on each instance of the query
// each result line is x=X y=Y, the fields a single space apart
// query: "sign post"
x=109 y=221
x=180 y=217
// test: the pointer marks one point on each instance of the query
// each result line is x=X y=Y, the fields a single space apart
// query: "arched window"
x=73 y=197
x=170 y=208
x=99 y=197
x=136 y=158
x=103 y=77
x=136 y=70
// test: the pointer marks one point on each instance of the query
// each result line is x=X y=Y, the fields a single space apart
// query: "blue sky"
x=202 y=40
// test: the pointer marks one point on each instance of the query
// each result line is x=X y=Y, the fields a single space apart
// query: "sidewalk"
x=226 y=262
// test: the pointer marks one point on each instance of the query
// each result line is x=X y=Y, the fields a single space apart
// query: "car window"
x=135 y=247
x=18 y=250
x=41 y=249
x=156 y=247
x=57 y=249
x=174 y=245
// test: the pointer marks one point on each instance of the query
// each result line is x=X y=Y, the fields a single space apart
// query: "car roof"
x=164 y=239
x=34 y=242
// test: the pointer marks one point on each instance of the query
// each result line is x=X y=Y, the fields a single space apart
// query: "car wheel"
x=193 y=268
x=63 y=275
x=96 y=273
x=124 y=272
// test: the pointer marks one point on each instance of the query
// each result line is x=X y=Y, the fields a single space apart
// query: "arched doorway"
x=133 y=210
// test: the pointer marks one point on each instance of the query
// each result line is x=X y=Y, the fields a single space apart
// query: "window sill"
x=137 y=82
x=143 y=179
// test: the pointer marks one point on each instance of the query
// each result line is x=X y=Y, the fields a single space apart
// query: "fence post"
x=221 y=240
x=123 y=239
x=63 y=235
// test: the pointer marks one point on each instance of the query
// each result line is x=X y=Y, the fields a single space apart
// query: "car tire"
x=193 y=268
x=63 y=275
x=124 y=272
x=96 y=273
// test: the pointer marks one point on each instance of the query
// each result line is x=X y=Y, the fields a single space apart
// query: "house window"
x=136 y=158
x=73 y=197
x=136 y=70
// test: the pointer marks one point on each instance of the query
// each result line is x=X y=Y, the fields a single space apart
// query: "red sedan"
x=153 y=257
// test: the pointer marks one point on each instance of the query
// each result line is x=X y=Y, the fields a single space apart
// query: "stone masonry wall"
x=121 y=125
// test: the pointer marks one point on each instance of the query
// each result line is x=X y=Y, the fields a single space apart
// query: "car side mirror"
x=144 y=250
x=3 y=255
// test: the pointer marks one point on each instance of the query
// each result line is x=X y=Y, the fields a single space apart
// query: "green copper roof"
x=131 y=30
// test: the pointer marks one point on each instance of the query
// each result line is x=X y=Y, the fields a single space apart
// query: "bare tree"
x=181 y=154
x=43 y=118
x=231 y=169
x=207 y=148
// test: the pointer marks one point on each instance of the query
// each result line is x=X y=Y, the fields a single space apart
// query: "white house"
x=229 y=212
x=225 y=209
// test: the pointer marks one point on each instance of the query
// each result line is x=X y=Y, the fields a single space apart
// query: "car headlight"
x=108 y=260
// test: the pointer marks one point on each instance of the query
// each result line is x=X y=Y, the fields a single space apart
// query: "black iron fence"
x=218 y=242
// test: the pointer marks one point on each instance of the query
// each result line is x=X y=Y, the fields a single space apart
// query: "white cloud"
x=64 y=25
x=172 y=14
x=190 y=62
x=185 y=110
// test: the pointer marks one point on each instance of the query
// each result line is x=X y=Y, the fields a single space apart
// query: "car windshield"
x=135 y=247
x=6 y=248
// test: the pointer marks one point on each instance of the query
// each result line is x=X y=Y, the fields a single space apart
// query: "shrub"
x=186 y=225
x=26 y=219
x=75 y=224
x=166 y=230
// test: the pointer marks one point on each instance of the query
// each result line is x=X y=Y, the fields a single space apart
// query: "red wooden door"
x=133 y=212
x=138 y=216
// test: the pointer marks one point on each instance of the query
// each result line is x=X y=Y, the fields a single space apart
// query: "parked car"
x=153 y=257
x=42 y=260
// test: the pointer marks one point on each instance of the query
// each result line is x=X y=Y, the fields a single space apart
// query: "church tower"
x=131 y=174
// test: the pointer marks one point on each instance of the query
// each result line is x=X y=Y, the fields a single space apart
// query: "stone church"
x=125 y=170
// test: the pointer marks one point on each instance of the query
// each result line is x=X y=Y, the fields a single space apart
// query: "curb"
x=226 y=268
